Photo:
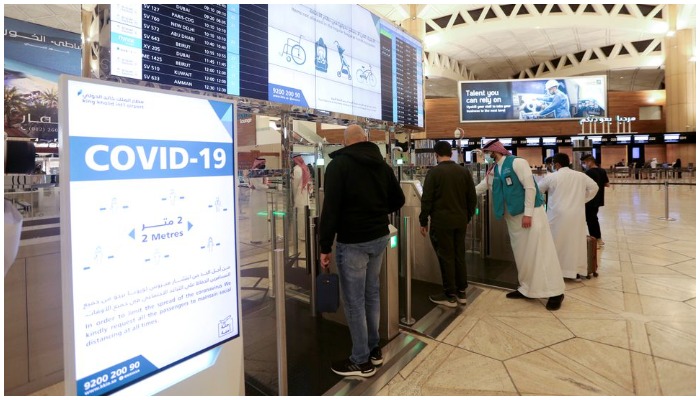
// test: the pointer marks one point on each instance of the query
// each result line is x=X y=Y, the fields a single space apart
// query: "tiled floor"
x=630 y=331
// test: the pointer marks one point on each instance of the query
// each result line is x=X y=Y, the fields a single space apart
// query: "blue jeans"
x=359 y=265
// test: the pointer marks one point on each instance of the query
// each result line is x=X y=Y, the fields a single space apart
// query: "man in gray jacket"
x=449 y=201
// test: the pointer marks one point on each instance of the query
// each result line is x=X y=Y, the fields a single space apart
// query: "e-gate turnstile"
x=389 y=290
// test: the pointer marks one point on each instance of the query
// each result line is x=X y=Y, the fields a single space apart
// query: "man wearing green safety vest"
x=515 y=197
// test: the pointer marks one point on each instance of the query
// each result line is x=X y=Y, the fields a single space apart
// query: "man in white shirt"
x=568 y=192
x=515 y=197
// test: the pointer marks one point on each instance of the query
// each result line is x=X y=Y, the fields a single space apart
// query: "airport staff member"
x=568 y=192
x=360 y=191
x=557 y=101
x=449 y=201
x=516 y=198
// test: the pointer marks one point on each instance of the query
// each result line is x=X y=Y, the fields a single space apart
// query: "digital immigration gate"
x=490 y=258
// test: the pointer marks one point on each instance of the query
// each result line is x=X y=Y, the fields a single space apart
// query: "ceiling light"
x=431 y=40
x=670 y=33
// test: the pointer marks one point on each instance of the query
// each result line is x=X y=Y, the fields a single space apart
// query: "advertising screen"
x=149 y=246
x=532 y=99
x=342 y=58
x=35 y=56
x=333 y=57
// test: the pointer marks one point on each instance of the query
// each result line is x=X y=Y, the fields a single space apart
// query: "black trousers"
x=592 y=221
x=451 y=252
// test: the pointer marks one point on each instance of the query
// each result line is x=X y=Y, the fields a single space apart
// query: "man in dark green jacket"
x=449 y=201
x=360 y=191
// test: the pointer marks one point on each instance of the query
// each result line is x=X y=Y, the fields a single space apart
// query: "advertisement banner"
x=533 y=99
x=35 y=56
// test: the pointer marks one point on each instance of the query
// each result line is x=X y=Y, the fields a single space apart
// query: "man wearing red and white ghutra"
x=516 y=198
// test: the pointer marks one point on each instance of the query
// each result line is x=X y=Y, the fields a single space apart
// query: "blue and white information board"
x=148 y=230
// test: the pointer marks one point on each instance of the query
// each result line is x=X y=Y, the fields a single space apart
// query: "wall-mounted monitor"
x=636 y=153
x=624 y=138
x=532 y=99
x=532 y=141
x=641 y=138
x=672 y=137
x=549 y=141
x=35 y=56
x=193 y=46
x=596 y=139
x=506 y=141
x=330 y=57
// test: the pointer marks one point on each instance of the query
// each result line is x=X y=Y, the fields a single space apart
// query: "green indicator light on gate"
x=262 y=214
x=394 y=241
x=279 y=213
x=477 y=212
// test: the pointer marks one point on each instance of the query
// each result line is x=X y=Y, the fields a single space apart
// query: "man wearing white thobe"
x=515 y=197
x=568 y=193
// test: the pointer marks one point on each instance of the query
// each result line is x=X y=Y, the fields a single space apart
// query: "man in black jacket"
x=360 y=191
x=449 y=199
x=601 y=178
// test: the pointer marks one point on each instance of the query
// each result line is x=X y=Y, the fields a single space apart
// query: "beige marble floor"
x=630 y=331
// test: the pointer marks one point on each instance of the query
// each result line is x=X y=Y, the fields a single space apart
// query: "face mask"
x=489 y=158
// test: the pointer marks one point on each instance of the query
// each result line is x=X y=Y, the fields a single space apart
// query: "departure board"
x=193 y=46
x=331 y=57
x=387 y=74
x=406 y=83
x=402 y=77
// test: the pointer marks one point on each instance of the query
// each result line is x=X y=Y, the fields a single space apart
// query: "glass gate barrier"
x=489 y=256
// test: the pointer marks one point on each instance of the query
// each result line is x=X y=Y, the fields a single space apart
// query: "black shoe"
x=349 y=368
x=376 y=357
x=444 y=300
x=554 y=302
x=462 y=296
x=515 y=294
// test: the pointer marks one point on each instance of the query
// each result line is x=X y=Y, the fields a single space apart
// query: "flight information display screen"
x=332 y=57
x=343 y=58
x=174 y=44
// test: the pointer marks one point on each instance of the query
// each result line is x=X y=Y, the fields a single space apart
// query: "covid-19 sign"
x=149 y=245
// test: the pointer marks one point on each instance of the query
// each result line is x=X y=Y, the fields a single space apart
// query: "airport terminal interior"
x=629 y=331
x=627 y=328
